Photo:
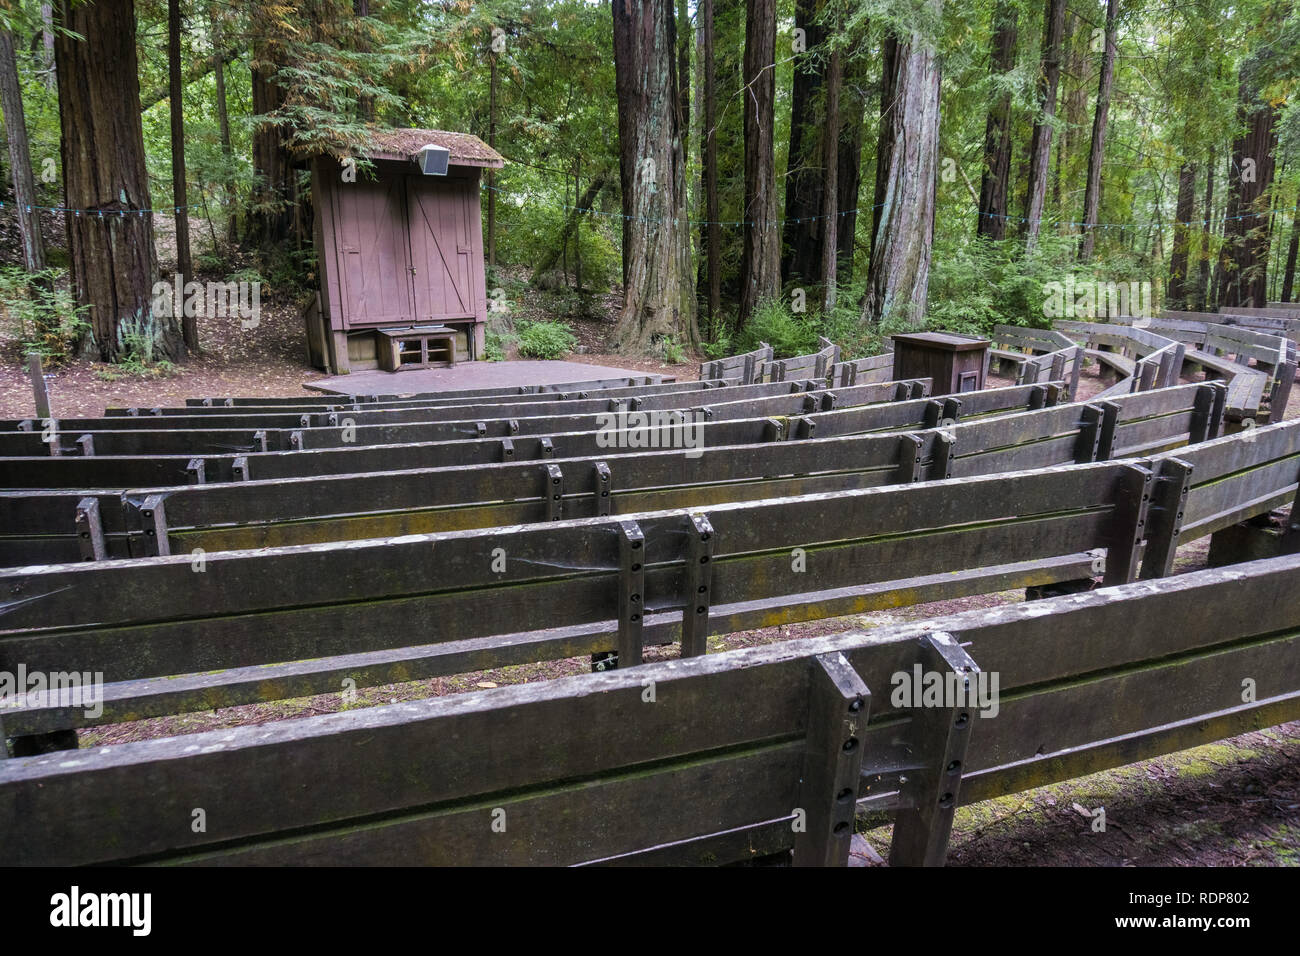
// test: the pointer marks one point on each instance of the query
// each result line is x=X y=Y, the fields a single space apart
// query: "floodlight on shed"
x=433 y=160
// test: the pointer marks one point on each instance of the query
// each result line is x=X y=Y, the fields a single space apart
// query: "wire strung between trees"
x=176 y=210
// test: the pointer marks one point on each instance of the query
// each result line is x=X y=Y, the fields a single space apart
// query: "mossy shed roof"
x=465 y=148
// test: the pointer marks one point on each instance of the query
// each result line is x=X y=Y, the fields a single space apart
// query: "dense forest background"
x=738 y=169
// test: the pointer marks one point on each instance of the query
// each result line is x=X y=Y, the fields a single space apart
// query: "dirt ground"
x=1236 y=802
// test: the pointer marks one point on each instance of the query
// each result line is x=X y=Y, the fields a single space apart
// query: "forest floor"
x=1236 y=802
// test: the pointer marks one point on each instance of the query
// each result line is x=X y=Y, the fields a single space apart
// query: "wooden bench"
x=747 y=367
x=45 y=525
x=737 y=746
x=419 y=346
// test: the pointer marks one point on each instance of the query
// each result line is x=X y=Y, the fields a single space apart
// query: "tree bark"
x=110 y=242
x=270 y=220
x=761 y=263
x=804 y=180
x=1246 y=232
x=830 y=189
x=906 y=164
x=1097 y=153
x=1040 y=145
x=1200 y=295
x=997 y=135
x=20 y=158
x=853 y=126
x=1288 y=278
x=683 y=25
x=223 y=119
x=1180 y=287
x=47 y=46
x=659 y=294
x=184 y=263
x=709 y=161
x=492 y=173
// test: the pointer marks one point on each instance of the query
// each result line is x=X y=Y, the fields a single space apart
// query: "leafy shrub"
x=39 y=312
x=494 y=346
x=669 y=350
x=139 y=342
x=545 y=340
x=773 y=323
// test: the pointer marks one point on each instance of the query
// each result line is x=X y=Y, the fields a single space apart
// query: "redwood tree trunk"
x=801 y=238
x=271 y=218
x=906 y=162
x=1201 y=296
x=659 y=296
x=223 y=116
x=184 y=264
x=852 y=129
x=997 y=135
x=111 y=242
x=20 y=157
x=492 y=173
x=1097 y=154
x=1040 y=144
x=830 y=191
x=1288 y=278
x=1246 y=233
x=1179 y=280
x=709 y=160
x=761 y=264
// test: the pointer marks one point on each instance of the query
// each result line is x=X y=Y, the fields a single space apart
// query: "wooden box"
x=954 y=364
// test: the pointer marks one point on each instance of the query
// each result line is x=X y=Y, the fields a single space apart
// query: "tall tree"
x=830 y=190
x=906 y=166
x=804 y=180
x=110 y=238
x=20 y=157
x=658 y=296
x=47 y=46
x=712 y=228
x=761 y=264
x=997 y=135
x=223 y=111
x=853 y=125
x=1288 y=277
x=1246 y=232
x=1097 y=152
x=1179 y=290
x=491 y=173
x=184 y=264
x=1201 y=299
x=1040 y=145
x=270 y=217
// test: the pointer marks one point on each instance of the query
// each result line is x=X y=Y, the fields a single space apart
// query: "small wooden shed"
x=400 y=254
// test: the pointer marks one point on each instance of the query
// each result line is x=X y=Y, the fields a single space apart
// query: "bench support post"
x=838 y=706
x=1131 y=525
x=1166 y=517
x=699 y=587
x=939 y=737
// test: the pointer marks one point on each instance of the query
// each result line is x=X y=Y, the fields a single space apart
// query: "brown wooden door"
x=442 y=247
x=374 y=255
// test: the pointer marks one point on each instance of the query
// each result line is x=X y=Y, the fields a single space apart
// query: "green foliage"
x=669 y=350
x=773 y=323
x=40 y=314
x=139 y=342
x=494 y=346
x=545 y=340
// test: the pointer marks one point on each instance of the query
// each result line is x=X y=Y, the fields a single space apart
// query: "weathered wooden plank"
x=422 y=787
x=133 y=700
